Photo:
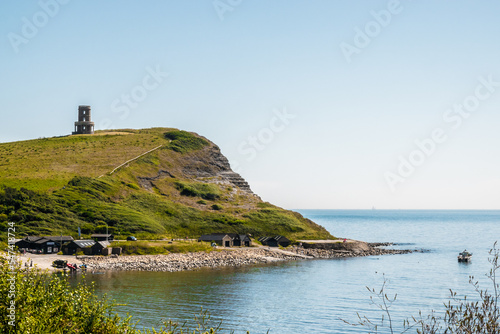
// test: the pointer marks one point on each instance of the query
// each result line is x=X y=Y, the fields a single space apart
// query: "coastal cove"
x=226 y=258
x=312 y=296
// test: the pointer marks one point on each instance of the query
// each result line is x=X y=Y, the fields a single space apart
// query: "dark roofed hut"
x=276 y=241
x=282 y=241
x=56 y=242
x=46 y=244
x=227 y=239
x=59 y=238
x=236 y=239
x=268 y=241
x=76 y=246
x=245 y=240
x=240 y=240
x=221 y=239
x=27 y=242
x=99 y=246
x=102 y=237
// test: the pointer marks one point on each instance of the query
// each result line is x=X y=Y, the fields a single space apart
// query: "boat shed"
x=221 y=239
x=245 y=240
x=76 y=246
x=276 y=241
x=27 y=242
x=227 y=239
x=268 y=241
x=282 y=241
x=102 y=237
x=45 y=244
x=60 y=238
x=99 y=246
x=236 y=239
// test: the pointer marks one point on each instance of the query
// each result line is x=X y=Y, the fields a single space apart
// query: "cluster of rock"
x=187 y=261
x=330 y=253
x=223 y=258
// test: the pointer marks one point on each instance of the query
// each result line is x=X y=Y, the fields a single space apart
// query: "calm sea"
x=313 y=296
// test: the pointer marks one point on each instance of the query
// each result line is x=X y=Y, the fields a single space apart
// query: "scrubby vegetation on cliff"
x=184 y=188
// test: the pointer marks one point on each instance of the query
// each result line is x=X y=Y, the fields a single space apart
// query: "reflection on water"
x=311 y=296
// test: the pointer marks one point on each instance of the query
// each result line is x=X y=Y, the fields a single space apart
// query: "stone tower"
x=84 y=126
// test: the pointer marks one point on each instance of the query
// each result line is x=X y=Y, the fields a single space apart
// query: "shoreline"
x=218 y=258
x=223 y=258
x=44 y=261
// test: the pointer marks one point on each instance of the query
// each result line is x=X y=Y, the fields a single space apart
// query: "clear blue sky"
x=355 y=83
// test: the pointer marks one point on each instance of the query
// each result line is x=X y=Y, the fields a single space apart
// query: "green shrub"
x=133 y=186
x=203 y=190
x=184 y=142
x=265 y=205
x=87 y=228
x=217 y=207
x=46 y=303
x=102 y=228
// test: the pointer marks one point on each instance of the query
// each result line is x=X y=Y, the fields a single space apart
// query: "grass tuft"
x=184 y=142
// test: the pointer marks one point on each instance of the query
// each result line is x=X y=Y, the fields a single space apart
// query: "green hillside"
x=170 y=183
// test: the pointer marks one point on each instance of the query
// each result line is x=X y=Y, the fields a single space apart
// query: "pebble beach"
x=220 y=258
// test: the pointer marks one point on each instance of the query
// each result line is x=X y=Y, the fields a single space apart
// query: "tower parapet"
x=84 y=126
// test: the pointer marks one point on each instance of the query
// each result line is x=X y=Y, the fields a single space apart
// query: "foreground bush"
x=45 y=303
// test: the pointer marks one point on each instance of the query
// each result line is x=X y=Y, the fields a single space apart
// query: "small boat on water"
x=465 y=256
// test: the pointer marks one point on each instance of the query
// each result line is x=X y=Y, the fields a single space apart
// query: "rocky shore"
x=331 y=254
x=223 y=258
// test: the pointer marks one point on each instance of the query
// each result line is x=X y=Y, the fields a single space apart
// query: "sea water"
x=317 y=296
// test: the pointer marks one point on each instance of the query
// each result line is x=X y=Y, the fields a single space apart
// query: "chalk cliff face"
x=207 y=166
x=151 y=181
x=213 y=164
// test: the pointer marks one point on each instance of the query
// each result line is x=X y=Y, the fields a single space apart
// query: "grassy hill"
x=168 y=183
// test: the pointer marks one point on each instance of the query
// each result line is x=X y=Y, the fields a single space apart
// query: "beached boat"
x=465 y=256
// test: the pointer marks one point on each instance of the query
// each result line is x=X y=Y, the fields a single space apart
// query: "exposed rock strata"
x=207 y=164
x=215 y=165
